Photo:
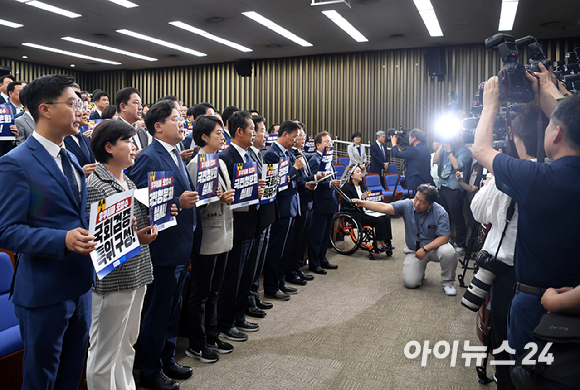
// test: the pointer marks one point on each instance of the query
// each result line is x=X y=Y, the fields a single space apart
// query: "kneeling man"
x=426 y=236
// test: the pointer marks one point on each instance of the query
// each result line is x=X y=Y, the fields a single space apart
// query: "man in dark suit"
x=129 y=110
x=226 y=114
x=417 y=158
x=25 y=125
x=325 y=205
x=170 y=252
x=192 y=113
x=80 y=145
x=13 y=102
x=4 y=81
x=302 y=222
x=101 y=100
x=42 y=217
x=379 y=155
x=277 y=257
x=232 y=300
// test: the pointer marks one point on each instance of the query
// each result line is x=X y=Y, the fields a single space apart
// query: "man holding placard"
x=170 y=252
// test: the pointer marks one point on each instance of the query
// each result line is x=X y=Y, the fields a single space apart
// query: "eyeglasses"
x=178 y=119
x=76 y=105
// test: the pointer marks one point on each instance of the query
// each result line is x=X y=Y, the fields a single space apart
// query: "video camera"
x=512 y=77
x=402 y=136
x=569 y=73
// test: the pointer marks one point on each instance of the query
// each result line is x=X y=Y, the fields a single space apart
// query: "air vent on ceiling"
x=100 y=35
x=397 y=36
x=366 y=1
x=215 y=19
x=551 y=24
x=172 y=56
x=273 y=46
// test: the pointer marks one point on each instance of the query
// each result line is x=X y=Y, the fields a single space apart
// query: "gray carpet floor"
x=348 y=330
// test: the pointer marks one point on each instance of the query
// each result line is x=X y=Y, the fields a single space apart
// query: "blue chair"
x=11 y=346
x=344 y=161
x=393 y=168
x=391 y=181
x=339 y=168
x=373 y=184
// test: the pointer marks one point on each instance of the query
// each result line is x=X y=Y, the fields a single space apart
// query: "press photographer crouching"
x=426 y=236
x=547 y=198
x=496 y=258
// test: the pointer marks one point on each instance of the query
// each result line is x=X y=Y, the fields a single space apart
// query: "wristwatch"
x=424 y=249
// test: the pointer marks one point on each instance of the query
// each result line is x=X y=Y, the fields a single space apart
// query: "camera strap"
x=540 y=152
x=510 y=213
x=508 y=123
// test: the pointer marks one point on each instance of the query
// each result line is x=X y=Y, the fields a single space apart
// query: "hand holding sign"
x=227 y=197
x=187 y=199
x=79 y=241
x=147 y=235
x=14 y=130
x=299 y=163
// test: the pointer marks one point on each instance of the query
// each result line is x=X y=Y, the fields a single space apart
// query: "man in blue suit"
x=325 y=205
x=281 y=233
x=170 y=252
x=379 y=155
x=417 y=158
x=42 y=217
x=80 y=145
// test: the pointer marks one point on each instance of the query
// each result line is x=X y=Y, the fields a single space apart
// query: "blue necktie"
x=83 y=146
x=67 y=169
x=182 y=170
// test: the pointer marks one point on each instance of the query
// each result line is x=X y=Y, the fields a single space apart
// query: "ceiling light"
x=24 y=57
x=50 y=8
x=427 y=13
x=72 y=65
x=509 y=8
x=69 y=53
x=161 y=42
x=345 y=25
x=108 y=48
x=125 y=3
x=276 y=28
x=10 y=24
x=207 y=35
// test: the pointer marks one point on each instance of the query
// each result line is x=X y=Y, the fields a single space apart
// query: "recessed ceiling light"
x=509 y=8
x=50 y=8
x=25 y=57
x=108 y=48
x=256 y=17
x=69 y=53
x=72 y=65
x=125 y=3
x=348 y=28
x=10 y=24
x=161 y=42
x=207 y=35
x=427 y=13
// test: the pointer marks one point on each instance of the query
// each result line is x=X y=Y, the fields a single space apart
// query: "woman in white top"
x=357 y=153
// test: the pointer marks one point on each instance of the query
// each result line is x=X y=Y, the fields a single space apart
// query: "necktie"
x=247 y=157
x=383 y=150
x=255 y=158
x=67 y=169
x=83 y=146
x=182 y=170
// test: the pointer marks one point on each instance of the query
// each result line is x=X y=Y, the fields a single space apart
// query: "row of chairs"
x=345 y=161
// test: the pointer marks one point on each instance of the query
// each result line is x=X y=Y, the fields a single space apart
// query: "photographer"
x=426 y=236
x=417 y=158
x=547 y=226
x=491 y=206
x=451 y=157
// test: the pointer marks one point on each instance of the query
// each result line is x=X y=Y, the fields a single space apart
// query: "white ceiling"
x=462 y=21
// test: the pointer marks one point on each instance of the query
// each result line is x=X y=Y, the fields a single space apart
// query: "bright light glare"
x=447 y=127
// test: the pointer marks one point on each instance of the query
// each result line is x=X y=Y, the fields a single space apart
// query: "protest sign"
x=6 y=119
x=161 y=192
x=283 y=173
x=245 y=185
x=91 y=124
x=309 y=146
x=207 y=183
x=111 y=223
x=326 y=162
x=374 y=196
x=270 y=176
x=270 y=140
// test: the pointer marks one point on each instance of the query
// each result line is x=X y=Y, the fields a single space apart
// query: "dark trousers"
x=55 y=343
x=246 y=281
x=259 y=250
x=525 y=314
x=161 y=319
x=207 y=273
x=452 y=202
x=319 y=237
x=502 y=292
x=231 y=283
x=299 y=245
x=381 y=224
x=274 y=266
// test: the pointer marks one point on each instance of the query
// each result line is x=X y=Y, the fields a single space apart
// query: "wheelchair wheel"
x=345 y=234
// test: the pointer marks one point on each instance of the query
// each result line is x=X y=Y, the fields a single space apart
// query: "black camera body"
x=402 y=136
x=489 y=268
x=512 y=77
x=536 y=53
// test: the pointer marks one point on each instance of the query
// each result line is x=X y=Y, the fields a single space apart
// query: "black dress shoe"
x=302 y=275
x=295 y=279
x=318 y=270
x=281 y=296
x=329 y=266
x=247 y=326
x=161 y=383
x=287 y=289
x=253 y=311
x=264 y=305
x=177 y=371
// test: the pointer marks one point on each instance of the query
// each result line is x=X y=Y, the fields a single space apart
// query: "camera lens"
x=478 y=289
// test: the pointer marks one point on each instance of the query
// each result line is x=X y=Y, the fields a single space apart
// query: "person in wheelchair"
x=354 y=188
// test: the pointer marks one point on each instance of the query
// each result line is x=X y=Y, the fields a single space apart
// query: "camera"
x=537 y=55
x=402 y=136
x=489 y=267
x=512 y=77
x=568 y=72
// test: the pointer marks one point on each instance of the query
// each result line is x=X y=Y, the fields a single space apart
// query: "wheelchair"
x=347 y=236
